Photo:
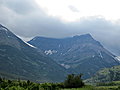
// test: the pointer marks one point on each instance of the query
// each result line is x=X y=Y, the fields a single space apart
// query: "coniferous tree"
x=73 y=81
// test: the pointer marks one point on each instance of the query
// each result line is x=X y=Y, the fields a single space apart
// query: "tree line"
x=72 y=81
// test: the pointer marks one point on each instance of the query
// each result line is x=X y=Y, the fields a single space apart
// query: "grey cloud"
x=27 y=20
x=20 y=6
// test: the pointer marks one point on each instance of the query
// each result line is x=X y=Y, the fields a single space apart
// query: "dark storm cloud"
x=27 y=20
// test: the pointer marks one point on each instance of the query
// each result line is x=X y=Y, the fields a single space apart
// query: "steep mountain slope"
x=21 y=60
x=78 y=54
x=106 y=75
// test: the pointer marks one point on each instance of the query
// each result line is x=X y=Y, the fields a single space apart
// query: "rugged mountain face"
x=78 y=54
x=106 y=75
x=21 y=60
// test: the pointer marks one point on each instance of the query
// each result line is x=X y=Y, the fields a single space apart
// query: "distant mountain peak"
x=83 y=36
x=89 y=35
x=10 y=39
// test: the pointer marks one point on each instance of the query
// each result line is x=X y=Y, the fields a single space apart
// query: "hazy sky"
x=63 y=18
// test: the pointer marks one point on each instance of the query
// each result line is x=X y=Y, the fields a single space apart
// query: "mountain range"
x=45 y=59
x=78 y=54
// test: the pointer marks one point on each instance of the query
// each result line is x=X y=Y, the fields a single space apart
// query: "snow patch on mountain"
x=100 y=54
x=66 y=66
x=117 y=58
x=50 y=52
x=29 y=44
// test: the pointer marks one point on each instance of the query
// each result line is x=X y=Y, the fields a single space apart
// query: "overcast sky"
x=63 y=18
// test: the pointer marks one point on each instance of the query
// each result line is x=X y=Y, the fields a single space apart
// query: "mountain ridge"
x=20 y=59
